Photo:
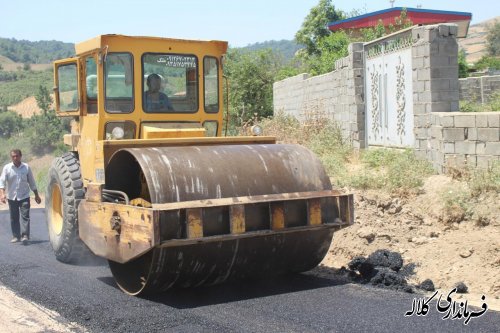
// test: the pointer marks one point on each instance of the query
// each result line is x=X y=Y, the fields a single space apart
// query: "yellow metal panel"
x=271 y=198
x=117 y=232
x=314 y=211
x=149 y=132
x=71 y=140
x=277 y=215
x=90 y=149
x=190 y=141
x=88 y=45
x=237 y=219
x=140 y=202
x=194 y=223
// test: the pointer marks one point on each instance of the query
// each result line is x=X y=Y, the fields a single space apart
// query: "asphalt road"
x=86 y=294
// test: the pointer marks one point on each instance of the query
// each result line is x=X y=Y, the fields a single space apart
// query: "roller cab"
x=152 y=185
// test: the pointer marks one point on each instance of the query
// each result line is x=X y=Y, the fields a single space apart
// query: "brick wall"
x=443 y=136
x=458 y=139
x=338 y=95
x=479 y=89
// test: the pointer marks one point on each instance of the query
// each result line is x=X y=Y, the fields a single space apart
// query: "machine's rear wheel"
x=64 y=192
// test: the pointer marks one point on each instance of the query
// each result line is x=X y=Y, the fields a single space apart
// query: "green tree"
x=251 y=77
x=332 y=48
x=463 y=67
x=493 y=39
x=43 y=98
x=45 y=129
x=400 y=22
x=45 y=132
x=488 y=62
x=10 y=123
x=315 y=26
x=373 y=32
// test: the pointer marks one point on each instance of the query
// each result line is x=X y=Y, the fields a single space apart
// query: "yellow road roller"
x=151 y=184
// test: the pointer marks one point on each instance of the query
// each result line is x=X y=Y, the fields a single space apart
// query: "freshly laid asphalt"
x=86 y=294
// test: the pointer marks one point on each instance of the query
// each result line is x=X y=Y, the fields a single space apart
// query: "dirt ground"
x=420 y=229
x=416 y=226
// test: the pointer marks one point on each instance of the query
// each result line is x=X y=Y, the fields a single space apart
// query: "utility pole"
x=392 y=3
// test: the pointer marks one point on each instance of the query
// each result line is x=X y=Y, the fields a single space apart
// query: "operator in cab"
x=154 y=99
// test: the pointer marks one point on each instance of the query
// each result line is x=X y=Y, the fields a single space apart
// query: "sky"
x=238 y=22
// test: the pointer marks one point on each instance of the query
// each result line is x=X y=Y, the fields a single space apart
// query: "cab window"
x=91 y=84
x=211 y=84
x=118 y=83
x=68 y=87
x=170 y=83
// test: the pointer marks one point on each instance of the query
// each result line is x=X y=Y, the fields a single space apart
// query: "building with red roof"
x=417 y=16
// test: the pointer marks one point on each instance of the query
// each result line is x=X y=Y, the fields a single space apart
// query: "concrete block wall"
x=435 y=68
x=459 y=139
x=479 y=89
x=443 y=136
x=338 y=95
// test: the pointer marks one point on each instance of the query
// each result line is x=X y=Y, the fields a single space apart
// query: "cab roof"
x=102 y=41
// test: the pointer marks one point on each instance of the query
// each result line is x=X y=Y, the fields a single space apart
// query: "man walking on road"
x=16 y=180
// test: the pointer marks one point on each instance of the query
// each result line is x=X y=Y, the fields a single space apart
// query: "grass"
x=392 y=170
x=457 y=204
x=479 y=180
x=492 y=105
x=319 y=134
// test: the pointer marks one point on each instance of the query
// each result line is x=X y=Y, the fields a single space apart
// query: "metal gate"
x=389 y=91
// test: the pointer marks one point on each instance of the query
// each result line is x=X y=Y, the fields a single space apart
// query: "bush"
x=457 y=205
x=45 y=132
x=319 y=134
x=492 y=105
x=391 y=169
x=485 y=180
x=10 y=123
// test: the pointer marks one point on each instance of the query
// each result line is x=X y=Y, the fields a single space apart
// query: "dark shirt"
x=162 y=104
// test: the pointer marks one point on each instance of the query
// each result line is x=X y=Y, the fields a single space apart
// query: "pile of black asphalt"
x=384 y=269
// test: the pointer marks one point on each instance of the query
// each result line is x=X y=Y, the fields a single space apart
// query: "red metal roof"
x=416 y=15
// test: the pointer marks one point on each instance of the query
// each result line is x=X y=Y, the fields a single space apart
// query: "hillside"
x=14 y=54
x=19 y=85
x=287 y=48
x=40 y=52
x=475 y=42
x=27 y=107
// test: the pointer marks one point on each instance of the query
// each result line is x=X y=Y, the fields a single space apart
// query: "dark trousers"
x=16 y=208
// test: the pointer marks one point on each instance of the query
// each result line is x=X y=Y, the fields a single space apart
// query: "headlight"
x=117 y=133
x=118 y=130
x=256 y=130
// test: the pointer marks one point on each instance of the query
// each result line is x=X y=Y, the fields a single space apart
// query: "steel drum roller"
x=176 y=174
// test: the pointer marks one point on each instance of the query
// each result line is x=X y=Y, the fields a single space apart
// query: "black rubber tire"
x=65 y=174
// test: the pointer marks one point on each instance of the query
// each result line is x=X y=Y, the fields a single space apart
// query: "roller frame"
x=121 y=232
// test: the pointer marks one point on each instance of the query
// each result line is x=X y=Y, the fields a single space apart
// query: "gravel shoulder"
x=19 y=315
